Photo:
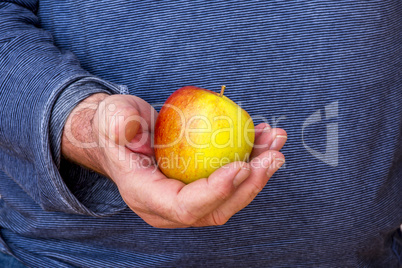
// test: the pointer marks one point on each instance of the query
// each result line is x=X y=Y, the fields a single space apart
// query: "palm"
x=168 y=203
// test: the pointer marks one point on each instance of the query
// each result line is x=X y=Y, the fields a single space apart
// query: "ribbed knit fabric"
x=328 y=72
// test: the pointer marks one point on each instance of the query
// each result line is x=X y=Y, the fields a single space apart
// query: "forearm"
x=79 y=143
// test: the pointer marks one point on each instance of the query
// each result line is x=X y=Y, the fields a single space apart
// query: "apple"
x=198 y=131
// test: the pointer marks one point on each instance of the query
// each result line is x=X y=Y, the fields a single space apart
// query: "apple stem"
x=222 y=90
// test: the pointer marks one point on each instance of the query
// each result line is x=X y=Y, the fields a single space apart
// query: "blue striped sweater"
x=328 y=72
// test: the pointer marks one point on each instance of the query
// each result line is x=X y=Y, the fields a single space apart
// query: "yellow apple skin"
x=197 y=131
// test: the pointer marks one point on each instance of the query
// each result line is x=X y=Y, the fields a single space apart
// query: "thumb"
x=202 y=196
x=119 y=119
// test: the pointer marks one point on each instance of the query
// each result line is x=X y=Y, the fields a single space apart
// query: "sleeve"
x=39 y=86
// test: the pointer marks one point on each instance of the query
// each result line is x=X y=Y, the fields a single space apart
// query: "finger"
x=147 y=112
x=262 y=169
x=260 y=128
x=149 y=191
x=142 y=144
x=269 y=139
x=119 y=118
x=126 y=124
x=142 y=141
x=201 y=197
x=127 y=119
x=280 y=139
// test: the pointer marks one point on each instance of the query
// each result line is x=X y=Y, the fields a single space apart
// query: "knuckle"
x=189 y=220
x=223 y=191
x=219 y=218
x=222 y=194
x=185 y=217
x=255 y=189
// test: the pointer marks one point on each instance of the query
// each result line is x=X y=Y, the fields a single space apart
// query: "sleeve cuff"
x=83 y=191
x=65 y=103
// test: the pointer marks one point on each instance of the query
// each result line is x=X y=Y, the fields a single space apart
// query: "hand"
x=122 y=127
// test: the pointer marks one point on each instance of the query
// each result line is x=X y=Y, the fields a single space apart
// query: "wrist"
x=79 y=140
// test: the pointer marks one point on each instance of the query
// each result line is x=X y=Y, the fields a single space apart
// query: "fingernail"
x=276 y=140
x=281 y=136
x=276 y=164
x=242 y=175
x=266 y=128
